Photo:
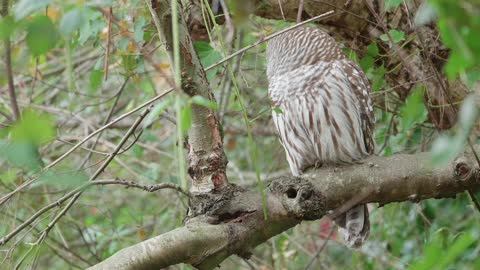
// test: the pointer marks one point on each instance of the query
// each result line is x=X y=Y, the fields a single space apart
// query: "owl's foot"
x=318 y=164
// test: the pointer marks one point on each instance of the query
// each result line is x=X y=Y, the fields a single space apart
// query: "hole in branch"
x=291 y=193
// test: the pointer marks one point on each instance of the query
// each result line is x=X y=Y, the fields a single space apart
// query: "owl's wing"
x=361 y=88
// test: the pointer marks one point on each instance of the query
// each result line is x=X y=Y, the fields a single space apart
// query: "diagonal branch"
x=232 y=221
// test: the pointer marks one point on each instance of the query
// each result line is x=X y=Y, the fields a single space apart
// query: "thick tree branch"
x=207 y=160
x=232 y=222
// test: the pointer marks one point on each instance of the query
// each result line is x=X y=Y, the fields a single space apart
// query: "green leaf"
x=20 y=154
x=63 y=180
x=456 y=250
x=390 y=4
x=9 y=175
x=34 y=128
x=414 y=111
x=156 y=111
x=396 y=35
x=208 y=56
x=186 y=118
x=7 y=26
x=72 y=21
x=372 y=49
x=199 y=100
x=138 y=29
x=277 y=110
x=41 y=35
x=25 y=7
x=96 y=79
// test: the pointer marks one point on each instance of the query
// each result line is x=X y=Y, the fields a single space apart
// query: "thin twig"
x=281 y=10
x=8 y=68
x=107 y=52
x=55 y=162
x=107 y=119
x=128 y=184
x=330 y=233
x=300 y=11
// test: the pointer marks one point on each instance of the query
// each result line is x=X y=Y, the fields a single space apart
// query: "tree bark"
x=232 y=222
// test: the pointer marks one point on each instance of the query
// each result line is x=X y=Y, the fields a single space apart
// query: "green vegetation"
x=65 y=92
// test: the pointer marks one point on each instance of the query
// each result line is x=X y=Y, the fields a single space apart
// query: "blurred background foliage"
x=58 y=51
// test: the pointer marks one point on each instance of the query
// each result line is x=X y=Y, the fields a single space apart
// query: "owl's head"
x=298 y=47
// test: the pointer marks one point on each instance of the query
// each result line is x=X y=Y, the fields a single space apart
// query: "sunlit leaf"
x=41 y=35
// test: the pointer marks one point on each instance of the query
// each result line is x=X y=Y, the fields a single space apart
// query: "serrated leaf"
x=372 y=49
x=156 y=111
x=41 y=35
x=396 y=35
x=25 y=7
x=208 y=56
x=186 y=118
x=199 y=100
x=72 y=21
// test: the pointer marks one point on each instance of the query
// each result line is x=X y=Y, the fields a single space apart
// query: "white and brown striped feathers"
x=326 y=112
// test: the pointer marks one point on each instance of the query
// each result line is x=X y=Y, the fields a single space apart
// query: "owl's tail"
x=355 y=226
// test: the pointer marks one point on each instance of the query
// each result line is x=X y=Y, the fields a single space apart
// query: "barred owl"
x=326 y=115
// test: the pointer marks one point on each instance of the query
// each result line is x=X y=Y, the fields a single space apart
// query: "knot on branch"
x=299 y=197
x=466 y=169
x=226 y=205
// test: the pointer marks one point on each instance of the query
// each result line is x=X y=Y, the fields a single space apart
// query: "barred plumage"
x=326 y=112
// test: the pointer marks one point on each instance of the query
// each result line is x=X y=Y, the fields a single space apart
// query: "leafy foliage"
x=59 y=56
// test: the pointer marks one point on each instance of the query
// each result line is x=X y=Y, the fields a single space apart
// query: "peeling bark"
x=206 y=159
x=232 y=222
